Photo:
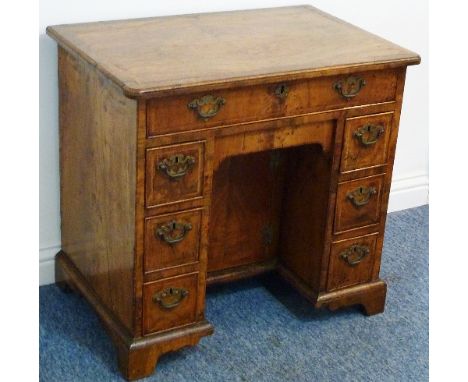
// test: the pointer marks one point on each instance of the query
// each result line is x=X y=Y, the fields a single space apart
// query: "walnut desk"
x=204 y=148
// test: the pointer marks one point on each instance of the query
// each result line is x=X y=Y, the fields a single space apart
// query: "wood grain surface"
x=255 y=103
x=167 y=53
x=347 y=214
x=97 y=178
x=341 y=274
x=160 y=254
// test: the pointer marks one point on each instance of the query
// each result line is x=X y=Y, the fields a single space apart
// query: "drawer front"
x=230 y=106
x=352 y=261
x=170 y=303
x=174 y=173
x=366 y=141
x=358 y=203
x=172 y=240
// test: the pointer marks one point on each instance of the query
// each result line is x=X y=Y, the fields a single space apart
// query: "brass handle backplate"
x=207 y=106
x=282 y=91
x=361 y=195
x=354 y=254
x=170 y=297
x=176 y=166
x=349 y=87
x=368 y=135
x=173 y=232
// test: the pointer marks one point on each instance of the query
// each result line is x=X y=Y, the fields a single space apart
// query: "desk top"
x=178 y=53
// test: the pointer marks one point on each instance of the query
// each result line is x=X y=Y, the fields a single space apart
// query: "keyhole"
x=281 y=91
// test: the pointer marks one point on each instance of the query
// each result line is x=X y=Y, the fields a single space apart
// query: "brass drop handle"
x=176 y=166
x=349 y=87
x=368 y=135
x=354 y=254
x=173 y=232
x=170 y=297
x=361 y=195
x=207 y=106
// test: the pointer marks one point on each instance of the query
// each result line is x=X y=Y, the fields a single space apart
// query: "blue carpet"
x=265 y=331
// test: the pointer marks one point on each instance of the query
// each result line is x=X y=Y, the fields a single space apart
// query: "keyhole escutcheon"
x=282 y=91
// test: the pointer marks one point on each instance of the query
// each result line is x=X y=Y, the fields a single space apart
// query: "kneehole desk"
x=200 y=149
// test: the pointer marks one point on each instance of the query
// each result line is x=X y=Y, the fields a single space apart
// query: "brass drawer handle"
x=361 y=195
x=176 y=166
x=282 y=91
x=173 y=232
x=355 y=254
x=349 y=87
x=170 y=297
x=207 y=106
x=368 y=135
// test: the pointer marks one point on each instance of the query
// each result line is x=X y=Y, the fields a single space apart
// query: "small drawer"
x=366 y=141
x=172 y=240
x=170 y=303
x=352 y=261
x=230 y=106
x=174 y=173
x=358 y=203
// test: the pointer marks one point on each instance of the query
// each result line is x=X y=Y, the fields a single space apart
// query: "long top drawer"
x=230 y=106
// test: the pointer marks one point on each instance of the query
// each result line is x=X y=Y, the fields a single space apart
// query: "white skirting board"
x=405 y=193
x=47 y=264
x=408 y=193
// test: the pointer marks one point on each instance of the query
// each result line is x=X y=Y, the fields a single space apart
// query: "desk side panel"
x=304 y=216
x=98 y=180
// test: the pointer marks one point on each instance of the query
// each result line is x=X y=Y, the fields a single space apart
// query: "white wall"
x=401 y=21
